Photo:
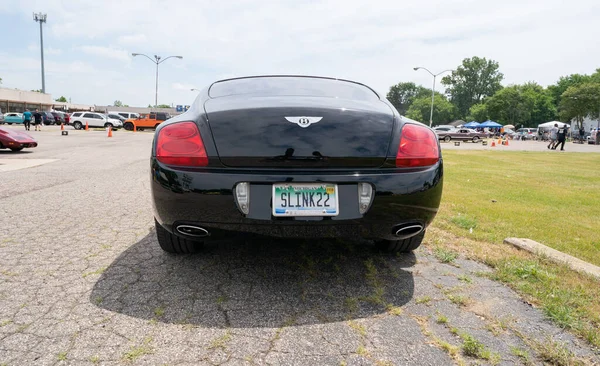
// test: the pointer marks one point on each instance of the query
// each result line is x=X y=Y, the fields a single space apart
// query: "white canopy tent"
x=551 y=124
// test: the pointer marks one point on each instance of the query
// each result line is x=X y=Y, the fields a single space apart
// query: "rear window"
x=294 y=86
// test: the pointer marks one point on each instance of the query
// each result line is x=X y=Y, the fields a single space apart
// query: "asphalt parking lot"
x=83 y=281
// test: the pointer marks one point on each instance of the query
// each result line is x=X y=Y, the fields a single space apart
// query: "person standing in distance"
x=37 y=120
x=561 y=138
x=27 y=119
x=553 y=132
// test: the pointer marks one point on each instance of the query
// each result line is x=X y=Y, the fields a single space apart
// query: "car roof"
x=293 y=76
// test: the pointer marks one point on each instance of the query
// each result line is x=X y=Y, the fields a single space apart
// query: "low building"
x=15 y=100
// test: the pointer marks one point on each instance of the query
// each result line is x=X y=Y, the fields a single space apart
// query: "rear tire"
x=108 y=124
x=447 y=138
x=400 y=246
x=156 y=126
x=475 y=139
x=171 y=243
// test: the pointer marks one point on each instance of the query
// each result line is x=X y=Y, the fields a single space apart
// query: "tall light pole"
x=157 y=60
x=41 y=18
x=432 y=89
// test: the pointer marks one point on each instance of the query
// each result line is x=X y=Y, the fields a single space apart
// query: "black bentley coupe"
x=294 y=156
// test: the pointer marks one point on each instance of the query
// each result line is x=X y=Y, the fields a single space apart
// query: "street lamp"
x=157 y=60
x=41 y=18
x=432 y=89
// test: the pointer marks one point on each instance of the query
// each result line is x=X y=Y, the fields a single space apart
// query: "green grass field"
x=550 y=197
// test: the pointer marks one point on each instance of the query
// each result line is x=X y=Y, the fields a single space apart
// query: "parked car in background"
x=10 y=118
x=126 y=115
x=526 y=134
x=59 y=117
x=94 y=120
x=461 y=134
x=15 y=140
x=116 y=116
x=443 y=128
x=152 y=120
x=48 y=118
x=1 y=117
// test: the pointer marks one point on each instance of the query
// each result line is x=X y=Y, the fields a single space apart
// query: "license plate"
x=305 y=199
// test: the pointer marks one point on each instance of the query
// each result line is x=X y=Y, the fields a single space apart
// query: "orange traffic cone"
x=109 y=131
x=134 y=128
x=493 y=143
x=506 y=142
x=62 y=127
x=86 y=126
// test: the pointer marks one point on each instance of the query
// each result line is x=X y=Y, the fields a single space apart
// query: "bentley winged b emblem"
x=304 y=121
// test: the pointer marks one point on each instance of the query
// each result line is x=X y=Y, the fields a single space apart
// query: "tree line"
x=474 y=92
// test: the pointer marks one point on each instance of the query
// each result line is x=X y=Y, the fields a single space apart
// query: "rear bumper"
x=205 y=198
x=20 y=144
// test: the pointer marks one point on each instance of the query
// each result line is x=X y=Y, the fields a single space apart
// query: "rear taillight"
x=181 y=144
x=418 y=147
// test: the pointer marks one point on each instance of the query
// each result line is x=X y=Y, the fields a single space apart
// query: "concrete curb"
x=555 y=256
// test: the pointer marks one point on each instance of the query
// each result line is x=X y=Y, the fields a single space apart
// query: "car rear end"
x=58 y=118
x=295 y=163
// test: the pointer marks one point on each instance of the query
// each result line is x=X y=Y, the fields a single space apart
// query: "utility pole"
x=41 y=18
x=432 y=90
x=157 y=60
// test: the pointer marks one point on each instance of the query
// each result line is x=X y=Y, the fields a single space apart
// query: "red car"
x=15 y=140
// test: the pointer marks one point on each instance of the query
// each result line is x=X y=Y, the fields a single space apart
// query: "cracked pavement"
x=84 y=282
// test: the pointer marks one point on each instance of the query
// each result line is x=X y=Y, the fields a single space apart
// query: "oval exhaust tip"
x=407 y=231
x=191 y=230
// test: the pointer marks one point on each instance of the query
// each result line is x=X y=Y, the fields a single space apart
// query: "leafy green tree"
x=543 y=108
x=478 y=112
x=471 y=82
x=557 y=90
x=528 y=105
x=62 y=99
x=595 y=77
x=0 y=80
x=36 y=90
x=580 y=101
x=443 y=110
x=117 y=103
x=163 y=106
x=402 y=95
x=510 y=106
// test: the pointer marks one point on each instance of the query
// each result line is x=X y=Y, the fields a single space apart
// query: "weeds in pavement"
x=136 y=352
x=444 y=255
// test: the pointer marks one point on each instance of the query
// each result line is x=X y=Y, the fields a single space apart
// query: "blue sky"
x=88 y=44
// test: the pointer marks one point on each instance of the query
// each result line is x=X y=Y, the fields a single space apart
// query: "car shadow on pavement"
x=256 y=282
x=10 y=152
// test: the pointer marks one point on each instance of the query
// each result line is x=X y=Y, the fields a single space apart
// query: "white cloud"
x=47 y=50
x=108 y=52
x=180 y=86
x=133 y=39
